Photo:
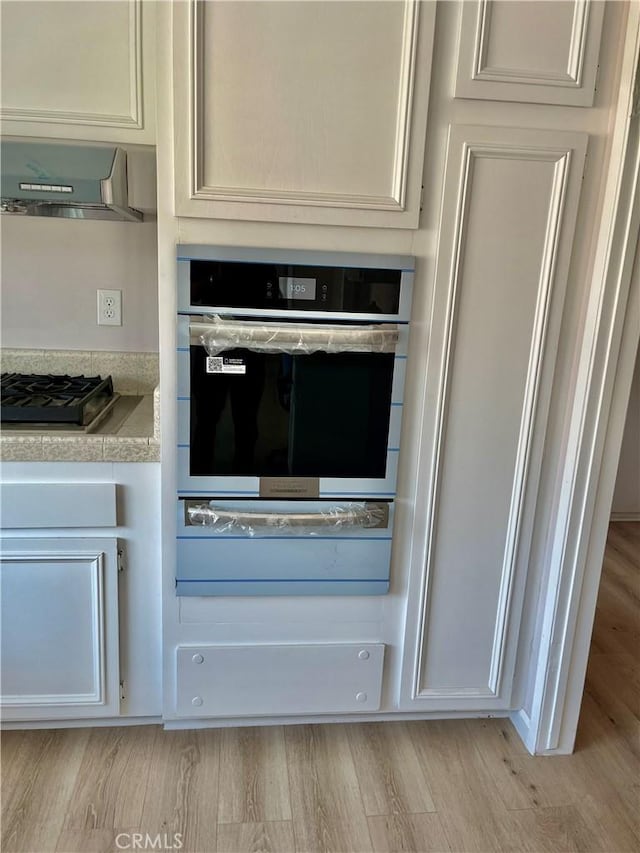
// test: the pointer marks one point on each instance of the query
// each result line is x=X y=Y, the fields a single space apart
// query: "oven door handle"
x=368 y=515
x=219 y=334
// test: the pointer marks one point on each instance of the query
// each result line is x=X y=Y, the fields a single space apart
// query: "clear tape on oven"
x=250 y=523
x=218 y=334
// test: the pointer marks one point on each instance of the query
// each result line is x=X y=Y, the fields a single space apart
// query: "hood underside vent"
x=67 y=181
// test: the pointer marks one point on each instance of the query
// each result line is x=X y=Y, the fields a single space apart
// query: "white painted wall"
x=626 y=498
x=51 y=269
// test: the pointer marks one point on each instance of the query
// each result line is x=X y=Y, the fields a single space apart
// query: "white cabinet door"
x=79 y=69
x=528 y=51
x=510 y=206
x=302 y=111
x=59 y=649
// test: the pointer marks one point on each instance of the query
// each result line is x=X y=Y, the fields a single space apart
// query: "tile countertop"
x=131 y=433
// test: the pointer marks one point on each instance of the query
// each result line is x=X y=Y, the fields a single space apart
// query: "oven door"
x=277 y=416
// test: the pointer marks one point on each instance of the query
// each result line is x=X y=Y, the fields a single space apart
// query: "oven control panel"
x=294 y=287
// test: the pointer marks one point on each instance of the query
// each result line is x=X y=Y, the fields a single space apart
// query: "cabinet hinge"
x=121 y=565
x=422 y=198
x=122 y=696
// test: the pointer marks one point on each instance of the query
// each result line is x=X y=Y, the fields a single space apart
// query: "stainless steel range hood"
x=69 y=181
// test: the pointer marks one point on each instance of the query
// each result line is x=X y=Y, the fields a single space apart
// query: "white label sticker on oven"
x=216 y=364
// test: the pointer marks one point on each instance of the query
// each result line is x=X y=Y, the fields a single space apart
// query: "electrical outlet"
x=109 y=307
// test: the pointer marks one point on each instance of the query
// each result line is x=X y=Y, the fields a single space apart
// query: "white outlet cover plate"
x=109 y=307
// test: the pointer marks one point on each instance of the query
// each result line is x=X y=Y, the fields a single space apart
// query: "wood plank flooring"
x=459 y=785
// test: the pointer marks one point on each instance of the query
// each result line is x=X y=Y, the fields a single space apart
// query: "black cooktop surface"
x=30 y=398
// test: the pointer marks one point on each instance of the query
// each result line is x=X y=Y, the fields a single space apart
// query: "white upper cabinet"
x=532 y=52
x=302 y=111
x=79 y=69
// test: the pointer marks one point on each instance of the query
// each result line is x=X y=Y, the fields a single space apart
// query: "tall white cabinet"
x=511 y=245
x=289 y=116
x=506 y=235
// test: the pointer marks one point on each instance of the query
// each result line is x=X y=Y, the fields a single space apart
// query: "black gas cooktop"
x=48 y=399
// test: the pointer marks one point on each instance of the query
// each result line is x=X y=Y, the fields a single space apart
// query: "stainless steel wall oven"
x=290 y=391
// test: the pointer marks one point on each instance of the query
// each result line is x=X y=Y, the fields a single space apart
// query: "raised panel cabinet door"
x=302 y=111
x=59 y=629
x=79 y=69
x=510 y=206
x=530 y=51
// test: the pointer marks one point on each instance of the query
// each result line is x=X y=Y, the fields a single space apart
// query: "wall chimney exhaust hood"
x=69 y=181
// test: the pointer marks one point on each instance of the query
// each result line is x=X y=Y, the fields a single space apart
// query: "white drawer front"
x=41 y=505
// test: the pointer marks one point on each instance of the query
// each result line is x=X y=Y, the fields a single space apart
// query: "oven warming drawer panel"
x=306 y=566
x=230 y=559
x=266 y=680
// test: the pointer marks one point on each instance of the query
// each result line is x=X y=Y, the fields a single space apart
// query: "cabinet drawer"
x=40 y=505
x=265 y=680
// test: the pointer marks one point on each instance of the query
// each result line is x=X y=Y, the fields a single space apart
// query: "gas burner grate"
x=29 y=398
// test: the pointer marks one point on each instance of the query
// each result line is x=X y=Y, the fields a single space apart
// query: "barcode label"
x=216 y=364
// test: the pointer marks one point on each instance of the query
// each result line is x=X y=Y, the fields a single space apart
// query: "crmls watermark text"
x=146 y=841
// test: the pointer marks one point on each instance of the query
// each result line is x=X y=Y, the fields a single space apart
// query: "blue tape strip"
x=282 y=580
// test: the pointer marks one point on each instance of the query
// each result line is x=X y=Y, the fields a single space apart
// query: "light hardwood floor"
x=420 y=786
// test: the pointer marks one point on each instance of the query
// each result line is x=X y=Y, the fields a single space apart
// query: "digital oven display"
x=297 y=288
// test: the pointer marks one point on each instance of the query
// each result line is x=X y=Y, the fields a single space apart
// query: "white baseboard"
x=625 y=516
x=81 y=724
x=226 y=722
